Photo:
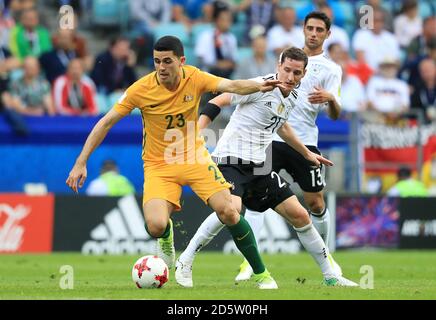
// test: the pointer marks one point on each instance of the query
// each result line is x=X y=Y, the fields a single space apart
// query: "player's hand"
x=319 y=95
x=77 y=176
x=317 y=159
x=270 y=85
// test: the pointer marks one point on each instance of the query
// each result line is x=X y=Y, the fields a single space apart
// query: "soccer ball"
x=150 y=272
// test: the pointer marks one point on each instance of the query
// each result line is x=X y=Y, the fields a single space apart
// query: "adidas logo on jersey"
x=275 y=237
x=121 y=232
x=268 y=104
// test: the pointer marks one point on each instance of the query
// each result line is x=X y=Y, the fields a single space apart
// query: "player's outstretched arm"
x=288 y=135
x=244 y=87
x=78 y=172
x=213 y=108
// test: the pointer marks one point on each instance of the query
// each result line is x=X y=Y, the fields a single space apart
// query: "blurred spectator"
x=79 y=42
x=28 y=38
x=408 y=24
x=315 y=6
x=113 y=69
x=31 y=93
x=217 y=48
x=424 y=91
x=410 y=70
x=190 y=12
x=67 y=46
x=7 y=64
x=74 y=93
x=361 y=70
x=418 y=46
x=285 y=33
x=387 y=94
x=260 y=16
x=377 y=6
x=110 y=182
x=337 y=34
x=372 y=46
x=260 y=63
x=6 y=24
x=336 y=52
x=17 y=6
x=407 y=186
x=353 y=96
x=147 y=14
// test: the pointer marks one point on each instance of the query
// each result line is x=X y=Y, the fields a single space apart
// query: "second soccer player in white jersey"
x=240 y=154
x=320 y=90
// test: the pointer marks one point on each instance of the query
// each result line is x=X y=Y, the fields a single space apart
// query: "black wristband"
x=211 y=110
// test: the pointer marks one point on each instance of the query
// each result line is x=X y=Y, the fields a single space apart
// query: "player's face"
x=315 y=33
x=290 y=73
x=167 y=66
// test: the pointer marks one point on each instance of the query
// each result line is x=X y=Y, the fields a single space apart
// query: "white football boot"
x=184 y=274
x=245 y=272
x=339 y=281
x=265 y=281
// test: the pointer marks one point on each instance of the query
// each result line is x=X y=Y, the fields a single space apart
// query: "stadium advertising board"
x=367 y=221
x=100 y=225
x=418 y=223
x=26 y=223
x=112 y=225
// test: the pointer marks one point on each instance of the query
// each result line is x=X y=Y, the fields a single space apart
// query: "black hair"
x=170 y=43
x=320 y=16
x=218 y=8
x=108 y=165
x=294 y=53
x=408 y=4
x=404 y=172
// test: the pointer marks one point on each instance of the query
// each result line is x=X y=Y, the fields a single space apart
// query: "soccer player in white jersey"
x=241 y=154
x=321 y=84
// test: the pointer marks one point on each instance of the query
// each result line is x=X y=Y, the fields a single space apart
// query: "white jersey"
x=253 y=123
x=321 y=72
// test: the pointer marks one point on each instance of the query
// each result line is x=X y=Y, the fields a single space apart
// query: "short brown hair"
x=294 y=53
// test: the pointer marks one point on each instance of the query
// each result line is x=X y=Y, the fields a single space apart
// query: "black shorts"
x=258 y=192
x=308 y=177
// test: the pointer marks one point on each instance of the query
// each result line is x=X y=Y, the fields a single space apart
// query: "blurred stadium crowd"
x=388 y=69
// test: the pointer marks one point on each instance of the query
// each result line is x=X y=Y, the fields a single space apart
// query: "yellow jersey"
x=169 y=118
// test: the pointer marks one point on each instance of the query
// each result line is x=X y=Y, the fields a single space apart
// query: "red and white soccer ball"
x=150 y=272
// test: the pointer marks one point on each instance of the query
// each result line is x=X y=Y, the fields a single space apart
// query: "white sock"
x=205 y=233
x=256 y=220
x=313 y=243
x=322 y=223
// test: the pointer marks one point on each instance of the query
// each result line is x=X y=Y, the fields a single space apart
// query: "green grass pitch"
x=397 y=275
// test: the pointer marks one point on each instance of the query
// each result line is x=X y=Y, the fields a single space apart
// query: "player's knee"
x=316 y=205
x=228 y=214
x=156 y=229
x=300 y=218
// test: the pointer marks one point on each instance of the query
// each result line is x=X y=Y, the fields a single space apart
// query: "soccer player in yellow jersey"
x=173 y=151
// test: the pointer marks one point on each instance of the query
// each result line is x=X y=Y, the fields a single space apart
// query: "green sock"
x=246 y=243
x=164 y=235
